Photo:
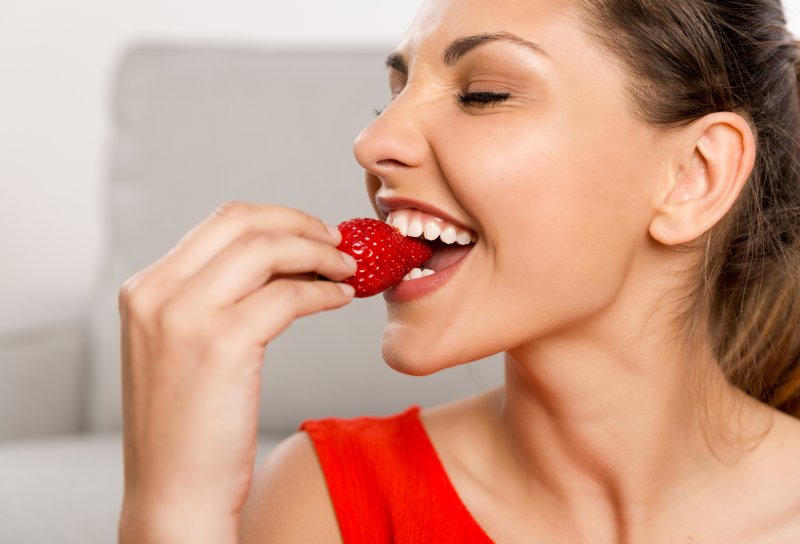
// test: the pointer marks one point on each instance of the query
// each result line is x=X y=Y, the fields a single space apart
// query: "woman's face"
x=540 y=157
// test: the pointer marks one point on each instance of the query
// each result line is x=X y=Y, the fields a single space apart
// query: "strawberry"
x=383 y=254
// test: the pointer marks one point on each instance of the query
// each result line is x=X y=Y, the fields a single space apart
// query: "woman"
x=630 y=169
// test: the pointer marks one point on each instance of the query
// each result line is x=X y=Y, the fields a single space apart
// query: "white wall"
x=55 y=60
x=792 y=8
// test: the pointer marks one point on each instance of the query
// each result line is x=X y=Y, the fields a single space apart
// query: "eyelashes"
x=481 y=98
x=477 y=99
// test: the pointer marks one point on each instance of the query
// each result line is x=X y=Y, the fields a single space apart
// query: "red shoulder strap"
x=387 y=484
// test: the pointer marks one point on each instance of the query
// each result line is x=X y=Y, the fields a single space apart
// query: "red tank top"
x=387 y=483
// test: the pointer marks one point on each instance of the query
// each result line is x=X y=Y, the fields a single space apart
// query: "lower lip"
x=406 y=291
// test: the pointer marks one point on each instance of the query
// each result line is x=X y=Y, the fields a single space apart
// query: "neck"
x=613 y=424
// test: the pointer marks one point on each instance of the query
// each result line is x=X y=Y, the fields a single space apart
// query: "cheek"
x=562 y=206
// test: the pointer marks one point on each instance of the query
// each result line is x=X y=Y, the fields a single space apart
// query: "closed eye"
x=481 y=98
x=470 y=99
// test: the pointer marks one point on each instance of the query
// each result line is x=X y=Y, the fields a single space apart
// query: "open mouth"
x=450 y=242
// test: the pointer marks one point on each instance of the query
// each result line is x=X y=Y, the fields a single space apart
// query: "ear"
x=709 y=174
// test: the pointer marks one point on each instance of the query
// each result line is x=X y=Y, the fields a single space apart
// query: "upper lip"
x=389 y=204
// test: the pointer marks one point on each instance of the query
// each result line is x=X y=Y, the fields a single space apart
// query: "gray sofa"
x=193 y=127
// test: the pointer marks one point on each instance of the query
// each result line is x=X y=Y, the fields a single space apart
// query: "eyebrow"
x=461 y=46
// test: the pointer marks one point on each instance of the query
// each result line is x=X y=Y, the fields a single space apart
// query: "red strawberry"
x=383 y=254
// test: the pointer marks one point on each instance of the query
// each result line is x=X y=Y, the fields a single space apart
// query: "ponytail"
x=689 y=59
x=782 y=362
x=754 y=302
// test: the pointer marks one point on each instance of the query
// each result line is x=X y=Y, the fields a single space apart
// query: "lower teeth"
x=418 y=273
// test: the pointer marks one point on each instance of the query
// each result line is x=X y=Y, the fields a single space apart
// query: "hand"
x=195 y=326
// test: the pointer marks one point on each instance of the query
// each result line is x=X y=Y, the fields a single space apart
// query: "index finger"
x=231 y=221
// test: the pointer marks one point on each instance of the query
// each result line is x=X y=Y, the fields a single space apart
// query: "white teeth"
x=464 y=238
x=417 y=224
x=400 y=222
x=448 y=235
x=432 y=230
x=415 y=228
x=418 y=273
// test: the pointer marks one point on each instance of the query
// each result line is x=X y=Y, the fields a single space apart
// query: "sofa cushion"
x=42 y=365
x=67 y=490
x=196 y=126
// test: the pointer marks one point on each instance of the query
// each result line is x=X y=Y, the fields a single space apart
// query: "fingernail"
x=334 y=232
x=347 y=258
x=347 y=289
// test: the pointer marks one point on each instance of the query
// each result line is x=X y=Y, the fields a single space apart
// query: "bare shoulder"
x=289 y=501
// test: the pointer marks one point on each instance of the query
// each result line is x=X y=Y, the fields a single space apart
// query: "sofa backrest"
x=196 y=126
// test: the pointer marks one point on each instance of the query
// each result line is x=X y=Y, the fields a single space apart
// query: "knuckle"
x=305 y=221
x=287 y=290
x=261 y=246
x=232 y=210
x=310 y=222
x=127 y=292
x=134 y=299
x=315 y=224
x=257 y=240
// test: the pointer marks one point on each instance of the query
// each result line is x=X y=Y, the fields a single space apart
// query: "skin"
x=598 y=435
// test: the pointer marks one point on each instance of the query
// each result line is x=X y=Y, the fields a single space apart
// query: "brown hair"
x=690 y=58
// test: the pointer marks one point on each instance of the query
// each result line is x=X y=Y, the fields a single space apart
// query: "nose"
x=394 y=141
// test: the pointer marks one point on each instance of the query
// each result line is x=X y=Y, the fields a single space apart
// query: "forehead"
x=553 y=24
x=581 y=80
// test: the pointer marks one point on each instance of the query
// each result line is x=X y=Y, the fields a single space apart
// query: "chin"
x=410 y=361
x=418 y=353
x=414 y=356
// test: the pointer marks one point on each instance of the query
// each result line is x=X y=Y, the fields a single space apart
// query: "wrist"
x=151 y=524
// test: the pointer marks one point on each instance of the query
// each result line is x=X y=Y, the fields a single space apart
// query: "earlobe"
x=706 y=180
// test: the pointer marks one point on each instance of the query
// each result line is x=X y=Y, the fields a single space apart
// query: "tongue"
x=447 y=256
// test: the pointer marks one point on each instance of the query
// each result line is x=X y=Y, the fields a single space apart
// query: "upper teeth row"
x=415 y=223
